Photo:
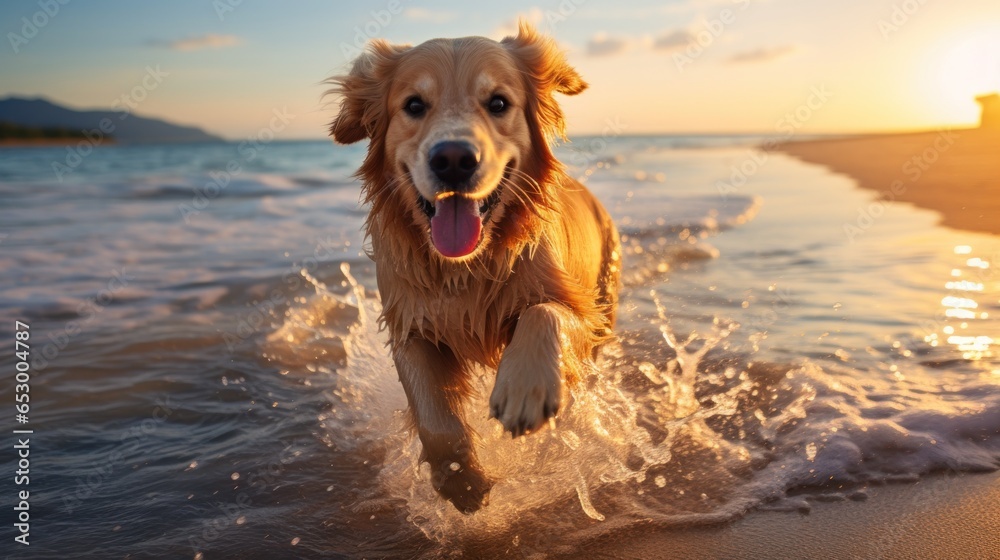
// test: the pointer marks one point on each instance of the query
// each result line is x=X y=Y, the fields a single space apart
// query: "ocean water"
x=208 y=380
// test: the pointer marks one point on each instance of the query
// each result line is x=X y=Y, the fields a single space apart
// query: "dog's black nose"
x=454 y=163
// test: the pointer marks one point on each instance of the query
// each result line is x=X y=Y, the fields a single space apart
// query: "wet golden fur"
x=538 y=295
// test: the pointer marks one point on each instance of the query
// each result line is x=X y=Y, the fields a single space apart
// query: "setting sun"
x=966 y=65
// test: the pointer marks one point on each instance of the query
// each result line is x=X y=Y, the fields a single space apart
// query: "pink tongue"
x=456 y=226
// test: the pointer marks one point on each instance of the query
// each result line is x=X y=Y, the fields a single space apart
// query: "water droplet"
x=235 y=476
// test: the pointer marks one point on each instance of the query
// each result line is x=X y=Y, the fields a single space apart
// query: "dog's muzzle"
x=457 y=220
x=454 y=163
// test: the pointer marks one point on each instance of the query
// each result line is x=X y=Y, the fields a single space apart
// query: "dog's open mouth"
x=457 y=220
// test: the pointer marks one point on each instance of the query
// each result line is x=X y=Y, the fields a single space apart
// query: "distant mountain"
x=17 y=134
x=128 y=128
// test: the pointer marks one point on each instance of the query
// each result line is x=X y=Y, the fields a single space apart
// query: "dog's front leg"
x=549 y=343
x=435 y=384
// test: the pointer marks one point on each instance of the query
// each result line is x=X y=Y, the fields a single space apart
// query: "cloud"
x=763 y=54
x=603 y=45
x=694 y=6
x=654 y=11
x=209 y=41
x=429 y=16
x=535 y=16
x=674 y=40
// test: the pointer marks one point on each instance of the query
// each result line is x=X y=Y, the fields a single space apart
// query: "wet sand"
x=942 y=517
x=955 y=172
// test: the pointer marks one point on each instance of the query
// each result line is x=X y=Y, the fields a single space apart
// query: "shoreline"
x=954 y=172
x=938 y=516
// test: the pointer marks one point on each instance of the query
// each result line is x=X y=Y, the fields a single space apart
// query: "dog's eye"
x=497 y=105
x=415 y=107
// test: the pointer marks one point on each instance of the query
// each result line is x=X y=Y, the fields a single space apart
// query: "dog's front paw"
x=525 y=395
x=465 y=486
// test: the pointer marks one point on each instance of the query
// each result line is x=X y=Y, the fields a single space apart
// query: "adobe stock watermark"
x=125 y=104
x=898 y=17
x=233 y=513
x=564 y=10
x=247 y=151
x=89 y=311
x=128 y=442
x=903 y=527
x=595 y=147
x=913 y=169
x=374 y=27
x=780 y=300
x=260 y=310
x=991 y=270
x=704 y=38
x=787 y=127
x=225 y=7
x=32 y=25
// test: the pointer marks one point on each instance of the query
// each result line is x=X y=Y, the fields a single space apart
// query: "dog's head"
x=459 y=130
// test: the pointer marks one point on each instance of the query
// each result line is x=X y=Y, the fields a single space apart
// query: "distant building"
x=991 y=111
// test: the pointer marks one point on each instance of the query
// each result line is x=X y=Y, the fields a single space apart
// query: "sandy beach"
x=942 y=517
x=955 y=172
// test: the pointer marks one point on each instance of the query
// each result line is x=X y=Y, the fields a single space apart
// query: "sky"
x=666 y=66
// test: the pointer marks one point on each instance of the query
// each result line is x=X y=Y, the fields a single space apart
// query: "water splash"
x=701 y=436
x=609 y=436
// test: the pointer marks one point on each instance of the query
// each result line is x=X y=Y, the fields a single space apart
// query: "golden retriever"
x=486 y=251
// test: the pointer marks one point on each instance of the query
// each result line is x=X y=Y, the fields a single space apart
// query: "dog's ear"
x=543 y=59
x=547 y=72
x=363 y=92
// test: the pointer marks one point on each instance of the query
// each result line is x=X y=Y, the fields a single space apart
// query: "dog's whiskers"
x=537 y=206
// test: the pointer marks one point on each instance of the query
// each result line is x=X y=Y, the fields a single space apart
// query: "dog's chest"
x=473 y=317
